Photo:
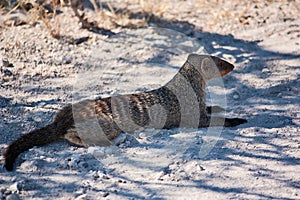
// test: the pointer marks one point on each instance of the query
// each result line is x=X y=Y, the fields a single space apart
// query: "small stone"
x=73 y=163
x=236 y=96
x=125 y=140
x=102 y=175
x=199 y=140
x=37 y=118
x=66 y=60
x=201 y=168
x=143 y=135
x=105 y=194
x=5 y=62
x=97 y=152
x=279 y=94
x=42 y=104
x=7 y=72
x=79 y=192
x=265 y=70
x=13 y=197
x=6 y=78
x=246 y=61
x=15 y=187
x=81 y=197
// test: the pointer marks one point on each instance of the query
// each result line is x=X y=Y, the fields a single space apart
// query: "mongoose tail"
x=51 y=133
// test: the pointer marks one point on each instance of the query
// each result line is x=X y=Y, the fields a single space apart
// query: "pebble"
x=66 y=60
x=37 y=118
x=82 y=197
x=7 y=72
x=41 y=104
x=236 y=96
x=143 y=135
x=73 y=163
x=279 y=94
x=6 y=78
x=125 y=140
x=97 y=152
x=265 y=70
x=80 y=192
x=201 y=168
x=104 y=194
x=199 y=140
x=5 y=62
x=102 y=175
x=15 y=187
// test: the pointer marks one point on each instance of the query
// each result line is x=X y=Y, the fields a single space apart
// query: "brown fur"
x=128 y=113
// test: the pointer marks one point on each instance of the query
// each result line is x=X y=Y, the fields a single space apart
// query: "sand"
x=256 y=160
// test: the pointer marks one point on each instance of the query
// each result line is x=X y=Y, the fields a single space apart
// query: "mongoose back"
x=127 y=113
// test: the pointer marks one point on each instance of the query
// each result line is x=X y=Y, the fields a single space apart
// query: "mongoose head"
x=210 y=66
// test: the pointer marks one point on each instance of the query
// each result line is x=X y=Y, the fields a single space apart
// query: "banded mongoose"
x=127 y=113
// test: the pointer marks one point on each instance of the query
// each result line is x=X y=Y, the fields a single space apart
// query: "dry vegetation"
x=101 y=16
x=108 y=15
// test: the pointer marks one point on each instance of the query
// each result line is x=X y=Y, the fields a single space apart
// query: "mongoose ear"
x=209 y=69
x=206 y=66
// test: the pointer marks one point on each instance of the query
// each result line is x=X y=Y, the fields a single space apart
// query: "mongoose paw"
x=9 y=163
x=231 y=122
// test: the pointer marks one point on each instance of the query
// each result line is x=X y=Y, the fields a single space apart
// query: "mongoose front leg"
x=214 y=109
x=220 y=121
x=228 y=122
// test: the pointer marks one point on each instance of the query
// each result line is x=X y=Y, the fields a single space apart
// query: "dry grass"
x=108 y=15
x=138 y=13
x=37 y=12
x=139 y=16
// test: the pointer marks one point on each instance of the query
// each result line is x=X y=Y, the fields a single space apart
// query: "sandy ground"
x=257 y=160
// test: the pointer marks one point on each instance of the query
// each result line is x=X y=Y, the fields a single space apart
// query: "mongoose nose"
x=223 y=66
x=226 y=70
